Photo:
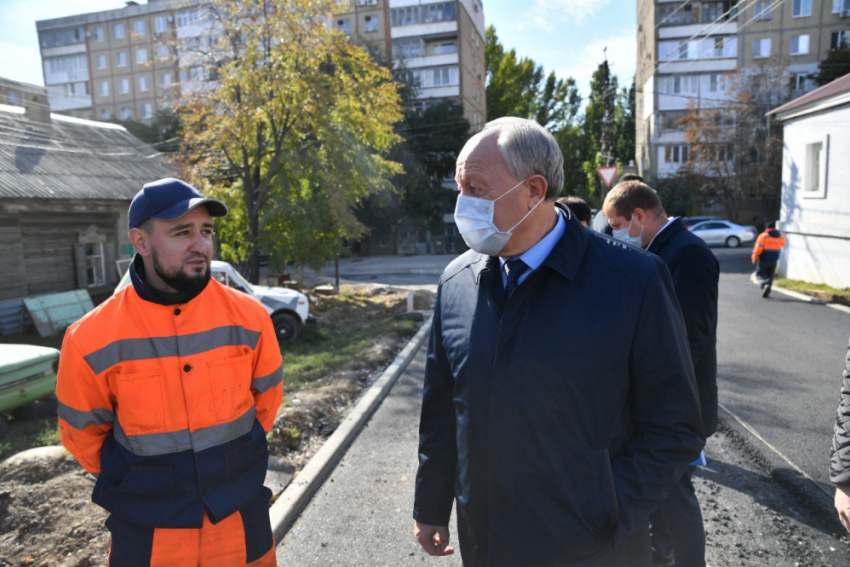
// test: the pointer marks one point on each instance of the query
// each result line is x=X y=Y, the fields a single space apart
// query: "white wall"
x=817 y=229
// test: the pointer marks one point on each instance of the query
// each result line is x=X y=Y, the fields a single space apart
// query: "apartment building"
x=129 y=62
x=686 y=49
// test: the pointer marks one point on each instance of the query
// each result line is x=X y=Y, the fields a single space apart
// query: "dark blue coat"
x=695 y=273
x=557 y=419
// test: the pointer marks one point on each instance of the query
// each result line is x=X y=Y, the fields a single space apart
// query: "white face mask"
x=622 y=234
x=474 y=219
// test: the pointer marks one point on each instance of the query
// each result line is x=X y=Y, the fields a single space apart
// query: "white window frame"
x=97 y=34
x=141 y=56
x=147 y=111
x=160 y=24
x=104 y=88
x=105 y=113
x=370 y=24
x=816 y=188
x=124 y=86
x=799 y=41
x=763 y=11
x=144 y=85
x=121 y=59
x=118 y=31
x=761 y=42
x=126 y=113
x=102 y=61
x=139 y=27
x=96 y=264
x=163 y=81
x=798 y=8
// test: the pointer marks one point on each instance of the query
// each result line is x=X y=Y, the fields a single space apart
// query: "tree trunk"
x=253 y=250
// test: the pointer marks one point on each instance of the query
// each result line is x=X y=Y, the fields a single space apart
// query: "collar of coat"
x=666 y=234
x=565 y=258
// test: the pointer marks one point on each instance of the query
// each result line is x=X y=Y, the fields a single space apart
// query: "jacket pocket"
x=144 y=498
x=607 y=490
x=230 y=381
x=140 y=403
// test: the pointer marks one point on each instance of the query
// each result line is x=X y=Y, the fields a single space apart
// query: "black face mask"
x=188 y=285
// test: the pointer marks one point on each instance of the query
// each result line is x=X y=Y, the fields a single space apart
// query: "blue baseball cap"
x=169 y=199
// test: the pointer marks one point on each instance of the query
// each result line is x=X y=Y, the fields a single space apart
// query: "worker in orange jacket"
x=166 y=392
x=766 y=256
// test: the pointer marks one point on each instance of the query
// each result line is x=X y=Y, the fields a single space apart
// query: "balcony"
x=424 y=30
x=431 y=61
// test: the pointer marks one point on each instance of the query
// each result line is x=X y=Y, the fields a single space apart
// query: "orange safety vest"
x=171 y=403
x=768 y=245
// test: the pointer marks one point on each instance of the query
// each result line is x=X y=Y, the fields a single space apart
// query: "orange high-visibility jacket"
x=171 y=403
x=768 y=245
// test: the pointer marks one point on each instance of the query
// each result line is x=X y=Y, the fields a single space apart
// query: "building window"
x=677 y=154
x=141 y=56
x=124 y=86
x=126 y=113
x=839 y=39
x=841 y=7
x=139 y=27
x=763 y=11
x=162 y=52
x=160 y=24
x=97 y=34
x=802 y=82
x=448 y=47
x=58 y=38
x=800 y=44
x=405 y=48
x=121 y=59
x=101 y=61
x=343 y=25
x=671 y=120
x=718 y=11
x=405 y=16
x=106 y=114
x=165 y=79
x=817 y=152
x=104 y=88
x=761 y=48
x=371 y=24
x=187 y=18
x=143 y=85
x=118 y=31
x=675 y=15
x=802 y=8
x=12 y=96
x=147 y=111
x=95 y=264
x=66 y=69
x=688 y=84
x=442 y=12
x=717 y=83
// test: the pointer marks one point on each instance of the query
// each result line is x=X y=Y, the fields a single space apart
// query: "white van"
x=288 y=308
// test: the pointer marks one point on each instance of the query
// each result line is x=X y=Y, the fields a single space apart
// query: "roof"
x=817 y=99
x=71 y=158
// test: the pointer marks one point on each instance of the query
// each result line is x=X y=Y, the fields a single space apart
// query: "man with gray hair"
x=555 y=431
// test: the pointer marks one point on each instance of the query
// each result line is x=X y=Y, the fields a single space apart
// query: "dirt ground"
x=47 y=518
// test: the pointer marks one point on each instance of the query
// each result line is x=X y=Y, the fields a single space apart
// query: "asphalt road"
x=780 y=363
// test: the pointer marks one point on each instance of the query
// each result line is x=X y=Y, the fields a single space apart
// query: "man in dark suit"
x=635 y=212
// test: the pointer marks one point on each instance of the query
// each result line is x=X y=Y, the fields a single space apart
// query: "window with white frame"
x=677 y=154
x=841 y=6
x=126 y=113
x=104 y=88
x=406 y=48
x=802 y=82
x=717 y=83
x=160 y=24
x=165 y=79
x=121 y=59
x=97 y=34
x=118 y=31
x=448 y=47
x=124 y=86
x=106 y=114
x=141 y=56
x=95 y=264
x=371 y=24
x=101 y=61
x=800 y=44
x=187 y=18
x=343 y=25
x=147 y=111
x=763 y=10
x=801 y=8
x=761 y=48
x=815 y=173
x=139 y=27
x=839 y=39
x=12 y=97
x=687 y=84
x=144 y=86
x=163 y=52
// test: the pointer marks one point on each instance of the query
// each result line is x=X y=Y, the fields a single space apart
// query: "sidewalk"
x=362 y=514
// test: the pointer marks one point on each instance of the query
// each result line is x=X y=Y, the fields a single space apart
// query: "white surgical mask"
x=474 y=219
x=622 y=234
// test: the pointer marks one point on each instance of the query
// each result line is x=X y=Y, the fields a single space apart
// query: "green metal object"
x=54 y=313
x=27 y=373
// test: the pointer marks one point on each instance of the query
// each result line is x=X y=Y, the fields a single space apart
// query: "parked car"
x=27 y=373
x=724 y=232
x=691 y=221
x=289 y=309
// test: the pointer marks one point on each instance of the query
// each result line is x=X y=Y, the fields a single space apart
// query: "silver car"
x=724 y=232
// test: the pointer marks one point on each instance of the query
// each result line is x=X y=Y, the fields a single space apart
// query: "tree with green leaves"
x=293 y=132
x=163 y=133
x=835 y=65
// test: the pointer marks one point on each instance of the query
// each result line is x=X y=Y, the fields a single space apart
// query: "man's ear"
x=537 y=189
x=140 y=241
x=639 y=215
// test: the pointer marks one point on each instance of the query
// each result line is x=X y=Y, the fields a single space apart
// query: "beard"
x=181 y=281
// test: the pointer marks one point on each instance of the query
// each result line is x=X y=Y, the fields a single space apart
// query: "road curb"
x=810 y=299
x=297 y=495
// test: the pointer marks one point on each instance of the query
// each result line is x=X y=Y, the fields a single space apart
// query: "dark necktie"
x=514 y=268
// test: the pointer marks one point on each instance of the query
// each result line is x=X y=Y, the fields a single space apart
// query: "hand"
x=433 y=539
x=842 y=504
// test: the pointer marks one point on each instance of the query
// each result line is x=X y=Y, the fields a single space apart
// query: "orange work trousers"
x=230 y=543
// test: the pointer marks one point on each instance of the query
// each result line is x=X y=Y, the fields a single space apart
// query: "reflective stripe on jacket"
x=768 y=245
x=171 y=403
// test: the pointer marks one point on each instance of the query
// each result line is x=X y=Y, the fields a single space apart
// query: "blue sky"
x=565 y=36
